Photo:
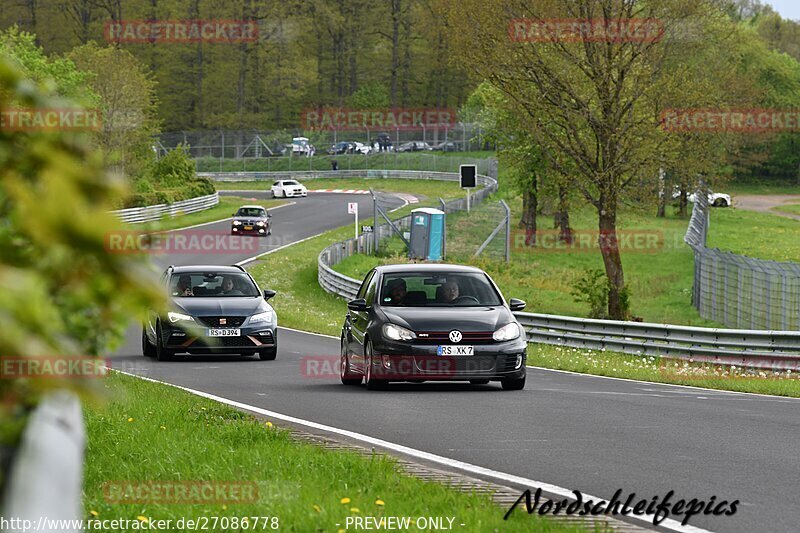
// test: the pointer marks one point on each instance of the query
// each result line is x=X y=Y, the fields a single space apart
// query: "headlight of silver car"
x=265 y=317
x=397 y=333
x=508 y=332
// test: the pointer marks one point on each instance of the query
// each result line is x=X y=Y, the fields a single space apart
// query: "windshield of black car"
x=442 y=289
x=212 y=284
x=250 y=212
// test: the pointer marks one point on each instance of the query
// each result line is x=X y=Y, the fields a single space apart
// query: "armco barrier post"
x=46 y=475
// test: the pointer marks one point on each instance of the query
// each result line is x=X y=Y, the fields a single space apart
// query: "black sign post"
x=469 y=179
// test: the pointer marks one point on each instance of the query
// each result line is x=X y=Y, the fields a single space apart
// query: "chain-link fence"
x=261 y=147
x=740 y=291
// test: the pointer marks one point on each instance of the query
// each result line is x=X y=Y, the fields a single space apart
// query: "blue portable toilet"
x=427 y=234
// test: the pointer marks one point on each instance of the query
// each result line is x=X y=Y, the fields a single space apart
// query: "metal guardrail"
x=137 y=215
x=778 y=350
x=485 y=181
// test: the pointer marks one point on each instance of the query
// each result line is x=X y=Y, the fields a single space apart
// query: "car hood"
x=232 y=306
x=250 y=219
x=488 y=318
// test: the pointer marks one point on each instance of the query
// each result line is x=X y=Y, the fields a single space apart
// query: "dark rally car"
x=432 y=322
x=251 y=220
x=213 y=310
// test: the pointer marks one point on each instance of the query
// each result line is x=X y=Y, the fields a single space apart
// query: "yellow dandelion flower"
x=130 y=419
x=379 y=502
x=317 y=508
x=355 y=510
x=344 y=500
x=93 y=513
x=142 y=518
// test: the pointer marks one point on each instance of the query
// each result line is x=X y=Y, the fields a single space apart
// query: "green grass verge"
x=760 y=188
x=759 y=235
x=149 y=432
x=429 y=188
x=788 y=208
x=659 y=370
x=226 y=206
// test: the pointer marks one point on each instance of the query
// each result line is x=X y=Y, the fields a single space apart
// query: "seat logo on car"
x=455 y=336
x=223 y=321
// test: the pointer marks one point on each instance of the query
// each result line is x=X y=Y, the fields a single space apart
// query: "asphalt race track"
x=579 y=432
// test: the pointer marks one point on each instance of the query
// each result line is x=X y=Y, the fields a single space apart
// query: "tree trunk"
x=561 y=217
x=530 y=203
x=609 y=247
x=395 y=52
x=683 y=202
x=662 y=194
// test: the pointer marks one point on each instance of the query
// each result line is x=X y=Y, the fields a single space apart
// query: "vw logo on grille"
x=455 y=336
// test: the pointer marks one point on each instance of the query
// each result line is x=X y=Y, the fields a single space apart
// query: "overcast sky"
x=789 y=9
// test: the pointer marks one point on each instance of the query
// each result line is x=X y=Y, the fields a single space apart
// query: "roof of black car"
x=205 y=268
x=427 y=267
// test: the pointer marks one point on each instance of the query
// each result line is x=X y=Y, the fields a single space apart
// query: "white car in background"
x=288 y=189
x=361 y=148
x=715 y=199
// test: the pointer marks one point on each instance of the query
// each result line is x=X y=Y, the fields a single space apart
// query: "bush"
x=167 y=180
x=592 y=288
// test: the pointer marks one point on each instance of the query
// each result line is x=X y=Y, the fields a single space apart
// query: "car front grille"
x=216 y=321
x=225 y=342
x=443 y=337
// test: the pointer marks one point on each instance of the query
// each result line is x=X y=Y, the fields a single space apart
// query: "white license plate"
x=455 y=350
x=214 y=332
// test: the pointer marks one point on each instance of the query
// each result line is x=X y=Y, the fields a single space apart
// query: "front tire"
x=162 y=353
x=513 y=384
x=268 y=355
x=347 y=377
x=369 y=378
x=148 y=350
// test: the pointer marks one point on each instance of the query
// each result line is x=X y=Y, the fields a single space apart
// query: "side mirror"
x=359 y=304
x=269 y=294
x=516 y=304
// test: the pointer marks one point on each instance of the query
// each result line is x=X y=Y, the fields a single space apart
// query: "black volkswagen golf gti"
x=214 y=310
x=432 y=322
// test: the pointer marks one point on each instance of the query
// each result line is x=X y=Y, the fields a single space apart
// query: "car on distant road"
x=288 y=189
x=414 y=146
x=212 y=310
x=251 y=220
x=715 y=199
x=447 y=146
x=432 y=322
x=361 y=148
x=343 y=147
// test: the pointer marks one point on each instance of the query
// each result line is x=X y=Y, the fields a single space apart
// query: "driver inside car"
x=184 y=287
x=449 y=292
